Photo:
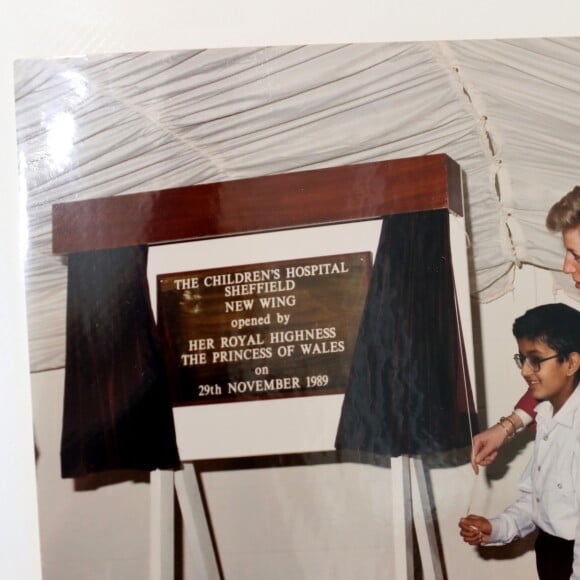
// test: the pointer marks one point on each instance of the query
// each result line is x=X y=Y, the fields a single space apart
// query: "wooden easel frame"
x=262 y=204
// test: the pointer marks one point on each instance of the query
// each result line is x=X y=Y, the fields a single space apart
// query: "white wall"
x=93 y=528
x=297 y=523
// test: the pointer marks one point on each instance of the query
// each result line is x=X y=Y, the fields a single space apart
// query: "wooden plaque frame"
x=275 y=202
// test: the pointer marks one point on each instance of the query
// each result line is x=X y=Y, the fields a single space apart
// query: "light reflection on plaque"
x=256 y=331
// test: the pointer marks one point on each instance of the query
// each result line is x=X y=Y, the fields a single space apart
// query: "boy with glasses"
x=548 y=355
x=563 y=217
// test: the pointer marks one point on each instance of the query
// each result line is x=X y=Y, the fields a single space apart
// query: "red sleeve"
x=527 y=403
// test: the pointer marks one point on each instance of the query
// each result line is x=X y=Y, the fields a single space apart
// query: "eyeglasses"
x=533 y=361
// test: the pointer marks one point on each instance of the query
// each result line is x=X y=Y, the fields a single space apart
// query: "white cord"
x=465 y=385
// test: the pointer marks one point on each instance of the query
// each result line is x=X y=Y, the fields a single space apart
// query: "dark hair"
x=557 y=325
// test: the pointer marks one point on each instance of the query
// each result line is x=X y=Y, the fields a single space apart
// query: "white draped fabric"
x=507 y=111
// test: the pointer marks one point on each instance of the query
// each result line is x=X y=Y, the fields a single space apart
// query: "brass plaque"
x=277 y=329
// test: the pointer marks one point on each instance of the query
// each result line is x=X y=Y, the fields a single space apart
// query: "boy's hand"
x=474 y=530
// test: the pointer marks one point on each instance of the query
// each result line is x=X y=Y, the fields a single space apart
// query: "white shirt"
x=550 y=484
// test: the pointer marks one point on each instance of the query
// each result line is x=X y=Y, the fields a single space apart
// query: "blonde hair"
x=565 y=214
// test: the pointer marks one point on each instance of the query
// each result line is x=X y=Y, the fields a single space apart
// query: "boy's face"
x=554 y=381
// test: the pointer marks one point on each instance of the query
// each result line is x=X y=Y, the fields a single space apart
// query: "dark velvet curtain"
x=408 y=391
x=117 y=409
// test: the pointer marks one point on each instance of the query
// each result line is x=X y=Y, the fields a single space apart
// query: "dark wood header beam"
x=274 y=202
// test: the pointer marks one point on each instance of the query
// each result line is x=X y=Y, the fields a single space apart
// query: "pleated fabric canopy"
x=506 y=111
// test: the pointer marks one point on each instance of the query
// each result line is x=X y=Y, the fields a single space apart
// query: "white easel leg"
x=195 y=524
x=402 y=514
x=424 y=526
x=161 y=518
